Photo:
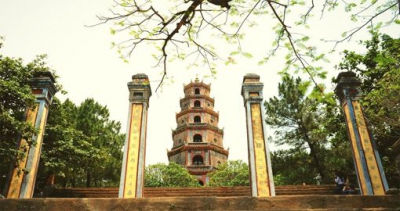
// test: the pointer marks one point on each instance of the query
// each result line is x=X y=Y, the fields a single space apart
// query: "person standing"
x=339 y=180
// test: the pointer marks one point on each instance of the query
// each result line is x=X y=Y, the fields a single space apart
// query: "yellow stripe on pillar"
x=262 y=182
x=366 y=144
x=355 y=149
x=17 y=175
x=31 y=177
x=133 y=151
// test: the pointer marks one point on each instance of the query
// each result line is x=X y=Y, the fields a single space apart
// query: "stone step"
x=193 y=192
x=278 y=203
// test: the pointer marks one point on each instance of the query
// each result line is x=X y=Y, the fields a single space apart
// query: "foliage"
x=16 y=96
x=171 y=175
x=283 y=162
x=80 y=141
x=297 y=119
x=386 y=98
x=64 y=146
x=82 y=145
x=231 y=173
x=381 y=57
x=383 y=110
x=379 y=70
x=173 y=26
x=103 y=134
x=308 y=122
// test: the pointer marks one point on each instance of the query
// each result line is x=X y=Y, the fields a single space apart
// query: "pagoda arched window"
x=197 y=91
x=197 y=160
x=197 y=103
x=197 y=138
x=197 y=119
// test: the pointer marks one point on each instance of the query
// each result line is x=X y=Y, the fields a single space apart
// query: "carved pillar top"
x=139 y=89
x=43 y=86
x=252 y=88
x=348 y=85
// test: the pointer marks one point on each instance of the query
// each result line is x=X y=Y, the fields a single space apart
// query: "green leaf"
x=247 y=55
x=306 y=38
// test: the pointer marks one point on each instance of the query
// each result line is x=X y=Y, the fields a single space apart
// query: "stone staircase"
x=292 y=197
x=243 y=203
x=193 y=192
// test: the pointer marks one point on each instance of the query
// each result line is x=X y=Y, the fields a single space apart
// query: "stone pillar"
x=133 y=165
x=370 y=174
x=21 y=184
x=261 y=177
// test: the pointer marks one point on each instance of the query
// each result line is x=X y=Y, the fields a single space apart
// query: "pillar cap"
x=140 y=76
x=140 y=84
x=348 y=78
x=251 y=78
x=44 y=74
x=44 y=80
x=252 y=84
x=347 y=81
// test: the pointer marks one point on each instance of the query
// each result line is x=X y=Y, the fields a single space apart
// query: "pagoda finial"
x=197 y=79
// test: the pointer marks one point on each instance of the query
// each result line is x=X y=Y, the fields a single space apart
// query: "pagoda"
x=197 y=140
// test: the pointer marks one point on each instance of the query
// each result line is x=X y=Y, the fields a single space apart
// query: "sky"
x=88 y=67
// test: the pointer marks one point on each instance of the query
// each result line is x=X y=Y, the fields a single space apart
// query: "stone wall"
x=321 y=202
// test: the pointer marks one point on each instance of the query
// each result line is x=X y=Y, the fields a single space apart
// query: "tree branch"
x=355 y=30
x=289 y=36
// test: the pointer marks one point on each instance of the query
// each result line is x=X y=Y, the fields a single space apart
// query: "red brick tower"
x=197 y=140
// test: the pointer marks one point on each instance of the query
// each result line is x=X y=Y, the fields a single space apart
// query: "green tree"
x=385 y=120
x=64 y=146
x=295 y=166
x=15 y=96
x=378 y=70
x=385 y=97
x=307 y=121
x=82 y=144
x=93 y=120
x=382 y=56
x=171 y=175
x=292 y=167
x=297 y=119
x=231 y=173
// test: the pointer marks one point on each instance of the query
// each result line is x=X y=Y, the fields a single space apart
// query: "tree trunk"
x=72 y=180
x=313 y=153
x=316 y=160
x=87 y=178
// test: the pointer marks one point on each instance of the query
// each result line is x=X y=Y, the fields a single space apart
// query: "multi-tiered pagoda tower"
x=197 y=140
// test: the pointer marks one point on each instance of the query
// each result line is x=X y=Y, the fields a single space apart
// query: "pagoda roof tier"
x=200 y=169
x=197 y=110
x=197 y=96
x=196 y=83
x=197 y=146
x=197 y=126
